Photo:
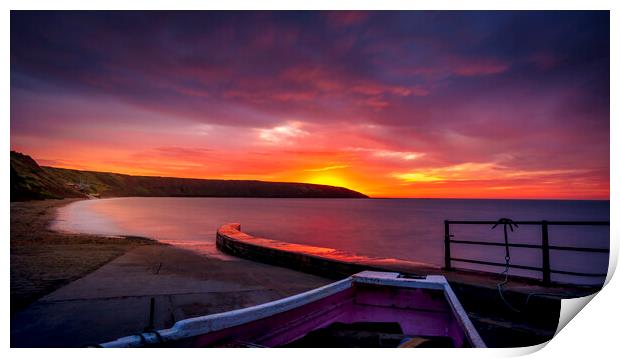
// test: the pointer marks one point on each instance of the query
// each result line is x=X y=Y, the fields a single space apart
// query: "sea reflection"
x=394 y=229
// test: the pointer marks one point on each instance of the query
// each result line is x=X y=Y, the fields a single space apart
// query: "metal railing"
x=544 y=246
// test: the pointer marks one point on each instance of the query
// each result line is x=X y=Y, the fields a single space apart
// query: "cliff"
x=29 y=181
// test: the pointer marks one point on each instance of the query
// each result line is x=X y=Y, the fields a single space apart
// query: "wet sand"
x=43 y=260
x=91 y=289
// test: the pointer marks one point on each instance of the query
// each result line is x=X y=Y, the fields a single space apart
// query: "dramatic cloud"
x=392 y=103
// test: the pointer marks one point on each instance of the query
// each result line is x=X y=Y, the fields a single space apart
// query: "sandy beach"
x=43 y=260
x=64 y=286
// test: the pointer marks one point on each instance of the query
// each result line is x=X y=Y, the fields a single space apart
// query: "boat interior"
x=362 y=315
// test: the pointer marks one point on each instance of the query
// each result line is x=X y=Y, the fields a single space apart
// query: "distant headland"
x=29 y=181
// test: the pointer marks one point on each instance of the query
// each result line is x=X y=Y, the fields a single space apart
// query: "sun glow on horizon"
x=311 y=97
x=330 y=179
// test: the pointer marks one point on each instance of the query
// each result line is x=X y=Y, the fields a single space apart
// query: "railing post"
x=546 y=266
x=446 y=241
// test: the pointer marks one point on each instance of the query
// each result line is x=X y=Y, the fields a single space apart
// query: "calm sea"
x=410 y=229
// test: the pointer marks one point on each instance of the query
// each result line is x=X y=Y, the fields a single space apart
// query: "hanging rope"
x=507 y=224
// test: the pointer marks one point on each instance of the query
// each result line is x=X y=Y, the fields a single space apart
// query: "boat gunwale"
x=200 y=325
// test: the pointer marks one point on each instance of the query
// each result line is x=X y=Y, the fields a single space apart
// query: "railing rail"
x=545 y=247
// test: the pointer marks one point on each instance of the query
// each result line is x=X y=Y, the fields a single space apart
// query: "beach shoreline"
x=43 y=260
x=64 y=286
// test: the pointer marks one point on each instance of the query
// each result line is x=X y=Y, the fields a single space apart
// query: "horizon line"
x=336 y=186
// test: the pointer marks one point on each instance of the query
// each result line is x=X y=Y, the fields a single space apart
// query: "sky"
x=390 y=103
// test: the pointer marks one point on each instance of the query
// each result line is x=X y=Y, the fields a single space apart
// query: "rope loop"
x=507 y=224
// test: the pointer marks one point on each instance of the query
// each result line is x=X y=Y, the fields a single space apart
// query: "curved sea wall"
x=320 y=261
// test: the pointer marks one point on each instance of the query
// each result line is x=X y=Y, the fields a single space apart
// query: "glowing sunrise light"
x=417 y=177
x=324 y=169
x=380 y=102
x=328 y=179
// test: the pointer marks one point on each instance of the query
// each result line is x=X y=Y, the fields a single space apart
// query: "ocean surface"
x=409 y=229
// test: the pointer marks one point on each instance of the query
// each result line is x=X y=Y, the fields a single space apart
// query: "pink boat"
x=369 y=309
